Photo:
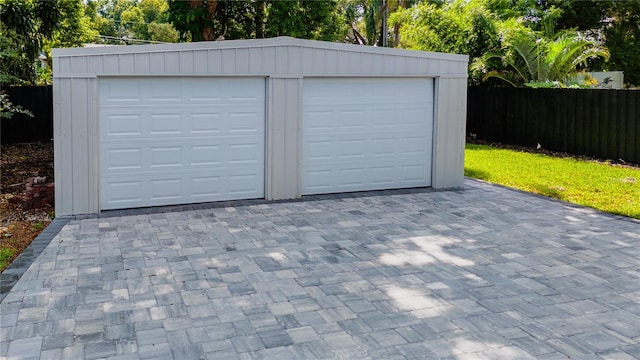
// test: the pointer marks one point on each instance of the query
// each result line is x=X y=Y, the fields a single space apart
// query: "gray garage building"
x=280 y=118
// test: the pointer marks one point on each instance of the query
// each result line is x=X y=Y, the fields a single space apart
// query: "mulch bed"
x=18 y=227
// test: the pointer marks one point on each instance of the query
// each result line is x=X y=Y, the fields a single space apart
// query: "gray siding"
x=266 y=58
x=449 y=132
x=285 y=62
x=76 y=146
x=283 y=138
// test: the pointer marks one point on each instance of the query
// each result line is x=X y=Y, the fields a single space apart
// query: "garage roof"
x=281 y=55
x=282 y=41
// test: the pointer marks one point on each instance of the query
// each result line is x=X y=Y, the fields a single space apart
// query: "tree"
x=154 y=10
x=528 y=58
x=459 y=26
x=367 y=19
x=24 y=27
x=194 y=17
x=622 y=37
x=131 y=21
x=162 y=32
x=320 y=19
x=30 y=27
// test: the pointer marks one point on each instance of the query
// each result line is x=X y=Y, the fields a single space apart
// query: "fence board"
x=22 y=128
x=634 y=134
x=600 y=123
x=614 y=141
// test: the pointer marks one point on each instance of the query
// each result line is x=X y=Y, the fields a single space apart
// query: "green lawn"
x=601 y=186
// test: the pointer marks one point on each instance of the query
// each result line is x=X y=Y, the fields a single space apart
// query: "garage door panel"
x=370 y=147
x=123 y=191
x=165 y=152
x=242 y=185
x=372 y=120
x=318 y=120
x=117 y=125
x=205 y=155
x=165 y=156
x=123 y=159
x=414 y=173
x=319 y=181
x=383 y=175
x=204 y=123
x=386 y=146
x=166 y=189
x=206 y=186
x=187 y=122
x=165 y=124
x=180 y=188
x=366 y=134
x=212 y=153
x=413 y=145
x=245 y=122
x=163 y=91
x=244 y=153
x=383 y=119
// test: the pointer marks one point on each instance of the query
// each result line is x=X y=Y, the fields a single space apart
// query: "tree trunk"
x=384 y=30
x=396 y=35
x=207 y=26
x=259 y=19
x=207 y=32
x=402 y=4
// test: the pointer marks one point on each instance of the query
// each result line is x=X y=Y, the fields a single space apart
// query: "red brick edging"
x=39 y=193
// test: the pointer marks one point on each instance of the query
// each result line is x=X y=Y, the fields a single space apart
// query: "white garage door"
x=170 y=141
x=366 y=134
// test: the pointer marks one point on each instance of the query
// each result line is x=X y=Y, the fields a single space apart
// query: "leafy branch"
x=8 y=109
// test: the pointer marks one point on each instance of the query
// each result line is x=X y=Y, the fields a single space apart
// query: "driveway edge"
x=10 y=276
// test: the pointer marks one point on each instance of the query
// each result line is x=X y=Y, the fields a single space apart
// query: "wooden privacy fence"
x=599 y=123
x=22 y=128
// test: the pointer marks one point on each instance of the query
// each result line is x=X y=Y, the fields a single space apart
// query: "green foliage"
x=623 y=39
x=594 y=184
x=528 y=57
x=485 y=30
x=30 y=27
x=8 y=109
x=25 y=25
x=162 y=32
x=131 y=21
x=459 y=26
x=320 y=20
x=195 y=18
x=154 y=10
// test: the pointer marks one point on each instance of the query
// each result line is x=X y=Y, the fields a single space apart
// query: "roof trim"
x=282 y=41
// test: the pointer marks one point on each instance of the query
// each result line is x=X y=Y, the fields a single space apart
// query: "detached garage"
x=153 y=125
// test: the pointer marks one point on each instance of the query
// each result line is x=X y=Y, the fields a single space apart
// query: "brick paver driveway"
x=483 y=272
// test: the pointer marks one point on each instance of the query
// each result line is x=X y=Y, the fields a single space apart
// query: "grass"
x=608 y=188
x=6 y=255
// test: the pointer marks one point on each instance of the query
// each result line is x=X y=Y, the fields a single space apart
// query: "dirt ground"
x=18 y=227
